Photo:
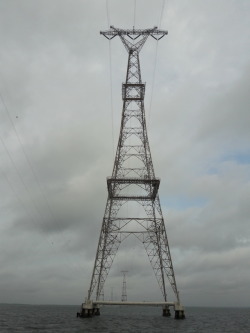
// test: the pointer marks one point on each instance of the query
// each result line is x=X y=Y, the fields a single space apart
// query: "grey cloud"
x=55 y=82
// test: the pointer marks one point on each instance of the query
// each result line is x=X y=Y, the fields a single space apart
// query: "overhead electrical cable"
x=20 y=176
x=27 y=158
x=29 y=215
x=153 y=84
x=18 y=197
x=22 y=180
x=161 y=14
x=35 y=210
x=134 y=12
x=111 y=99
x=111 y=83
x=107 y=12
x=155 y=62
x=42 y=193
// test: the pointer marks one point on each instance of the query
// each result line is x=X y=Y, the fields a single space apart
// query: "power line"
x=111 y=83
x=18 y=197
x=107 y=11
x=30 y=213
x=25 y=156
x=39 y=186
x=134 y=12
x=161 y=13
x=153 y=83
x=155 y=62
x=24 y=185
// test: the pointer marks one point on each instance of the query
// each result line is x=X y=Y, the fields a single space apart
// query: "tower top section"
x=133 y=39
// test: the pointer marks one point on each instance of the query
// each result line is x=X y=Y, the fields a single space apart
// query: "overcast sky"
x=60 y=92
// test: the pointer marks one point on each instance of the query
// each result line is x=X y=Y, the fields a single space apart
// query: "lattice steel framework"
x=133 y=179
x=124 y=297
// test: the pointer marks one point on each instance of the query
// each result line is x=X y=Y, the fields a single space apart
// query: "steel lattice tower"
x=133 y=181
x=124 y=287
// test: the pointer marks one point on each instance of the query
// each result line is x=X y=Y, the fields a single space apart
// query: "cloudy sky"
x=60 y=92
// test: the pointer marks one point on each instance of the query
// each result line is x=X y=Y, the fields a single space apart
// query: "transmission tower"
x=133 y=183
x=124 y=287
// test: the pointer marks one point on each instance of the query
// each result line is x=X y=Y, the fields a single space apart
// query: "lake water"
x=48 y=318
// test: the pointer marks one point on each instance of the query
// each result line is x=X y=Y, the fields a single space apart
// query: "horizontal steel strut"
x=133 y=303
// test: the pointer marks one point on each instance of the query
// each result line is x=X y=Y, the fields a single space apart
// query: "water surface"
x=55 y=318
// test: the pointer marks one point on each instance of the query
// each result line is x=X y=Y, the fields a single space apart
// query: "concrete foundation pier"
x=166 y=311
x=179 y=311
x=97 y=310
x=92 y=308
x=88 y=309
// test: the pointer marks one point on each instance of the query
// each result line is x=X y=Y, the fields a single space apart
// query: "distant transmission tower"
x=124 y=287
x=133 y=183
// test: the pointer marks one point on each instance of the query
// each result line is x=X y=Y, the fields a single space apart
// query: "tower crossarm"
x=133 y=35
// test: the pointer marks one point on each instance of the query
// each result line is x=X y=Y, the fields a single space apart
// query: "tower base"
x=166 y=311
x=89 y=309
x=179 y=311
x=92 y=308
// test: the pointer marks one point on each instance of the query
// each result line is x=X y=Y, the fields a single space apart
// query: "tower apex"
x=140 y=35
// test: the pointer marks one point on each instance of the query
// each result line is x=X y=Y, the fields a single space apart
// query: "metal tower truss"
x=133 y=180
x=124 y=287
